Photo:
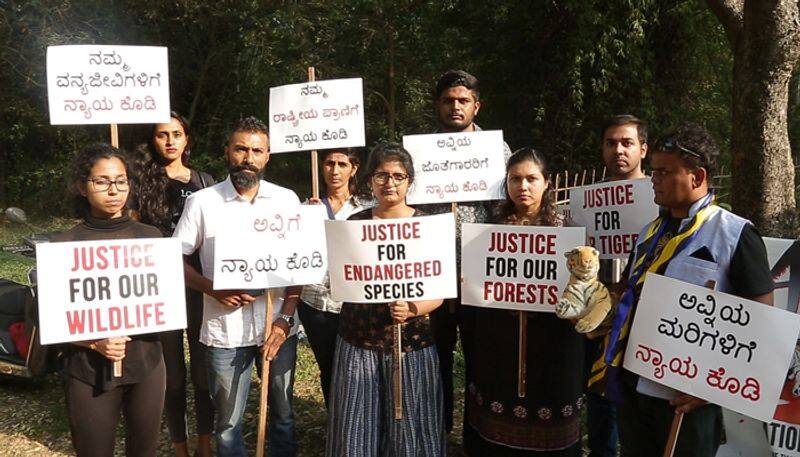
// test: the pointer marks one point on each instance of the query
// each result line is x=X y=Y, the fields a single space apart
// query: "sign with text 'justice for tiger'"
x=383 y=260
x=516 y=267
x=100 y=289
x=93 y=84
x=613 y=213
x=727 y=350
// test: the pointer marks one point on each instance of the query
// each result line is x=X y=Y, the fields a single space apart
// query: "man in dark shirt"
x=723 y=249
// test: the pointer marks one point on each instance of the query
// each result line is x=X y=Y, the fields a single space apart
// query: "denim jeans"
x=601 y=422
x=229 y=373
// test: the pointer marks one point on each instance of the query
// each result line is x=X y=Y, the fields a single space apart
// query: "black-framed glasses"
x=103 y=184
x=671 y=144
x=382 y=177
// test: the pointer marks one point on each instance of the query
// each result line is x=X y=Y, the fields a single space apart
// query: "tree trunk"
x=765 y=36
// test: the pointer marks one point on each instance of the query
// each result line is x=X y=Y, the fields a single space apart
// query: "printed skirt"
x=361 y=419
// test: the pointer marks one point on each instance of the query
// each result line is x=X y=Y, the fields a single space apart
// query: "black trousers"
x=448 y=321
x=93 y=416
x=644 y=424
x=321 y=328
x=175 y=361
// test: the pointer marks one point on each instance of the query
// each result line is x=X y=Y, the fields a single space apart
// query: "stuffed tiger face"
x=583 y=262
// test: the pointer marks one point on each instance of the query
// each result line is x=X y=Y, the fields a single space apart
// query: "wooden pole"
x=523 y=350
x=397 y=371
x=264 y=398
x=115 y=143
x=677 y=420
x=314 y=157
x=451 y=304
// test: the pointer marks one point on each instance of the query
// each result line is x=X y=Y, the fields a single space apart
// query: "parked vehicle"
x=21 y=355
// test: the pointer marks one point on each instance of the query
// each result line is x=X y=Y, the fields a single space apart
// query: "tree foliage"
x=550 y=71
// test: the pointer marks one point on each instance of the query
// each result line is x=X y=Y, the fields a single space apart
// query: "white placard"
x=103 y=84
x=516 y=266
x=278 y=247
x=382 y=260
x=724 y=349
x=613 y=213
x=91 y=290
x=456 y=167
x=316 y=115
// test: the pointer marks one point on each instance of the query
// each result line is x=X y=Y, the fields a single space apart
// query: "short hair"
x=625 y=119
x=250 y=124
x=697 y=139
x=455 y=78
x=384 y=152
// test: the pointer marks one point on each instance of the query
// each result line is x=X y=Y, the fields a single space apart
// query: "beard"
x=241 y=179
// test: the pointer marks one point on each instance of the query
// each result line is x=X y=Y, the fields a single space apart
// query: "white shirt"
x=223 y=326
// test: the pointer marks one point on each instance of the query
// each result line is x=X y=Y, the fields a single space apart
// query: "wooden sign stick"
x=451 y=304
x=397 y=369
x=264 y=398
x=314 y=158
x=523 y=353
x=677 y=420
x=115 y=143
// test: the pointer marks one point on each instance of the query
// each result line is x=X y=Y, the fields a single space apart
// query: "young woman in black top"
x=94 y=397
x=166 y=183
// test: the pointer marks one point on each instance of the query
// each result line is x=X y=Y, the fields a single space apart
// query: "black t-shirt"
x=179 y=191
x=143 y=352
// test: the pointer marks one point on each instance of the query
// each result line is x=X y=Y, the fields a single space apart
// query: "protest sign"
x=613 y=213
x=456 y=167
x=279 y=247
x=383 y=260
x=724 y=349
x=316 y=115
x=514 y=266
x=102 y=84
x=91 y=290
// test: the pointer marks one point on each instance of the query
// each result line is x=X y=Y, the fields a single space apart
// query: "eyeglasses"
x=103 y=184
x=671 y=144
x=382 y=177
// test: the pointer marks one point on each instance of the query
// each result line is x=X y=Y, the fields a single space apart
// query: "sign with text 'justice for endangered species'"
x=456 y=167
x=724 y=349
x=516 y=267
x=101 y=84
x=284 y=246
x=613 y=213
x=316 y=115
x=100 y=289
x=383 y=260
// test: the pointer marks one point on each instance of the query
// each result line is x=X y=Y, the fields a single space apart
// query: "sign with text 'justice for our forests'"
x=284 y=246
x=316 y=115
x=613 y=214
x=90 y=290
x=89 y=84
x=383 y=260
x=516 y=267
x=456 y=167
x=724 y=349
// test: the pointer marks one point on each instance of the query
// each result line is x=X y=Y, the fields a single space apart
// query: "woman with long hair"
x=546 y=421
x=95 y=398
x=318 y=312
x=360 y=413
x=166 y=182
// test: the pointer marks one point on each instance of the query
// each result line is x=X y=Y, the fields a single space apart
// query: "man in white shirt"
x=234 y=320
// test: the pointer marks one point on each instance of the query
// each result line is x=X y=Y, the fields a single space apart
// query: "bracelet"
x=93 y=345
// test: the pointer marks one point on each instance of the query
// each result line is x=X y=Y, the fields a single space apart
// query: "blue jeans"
x=229 y=373
x=601 y=420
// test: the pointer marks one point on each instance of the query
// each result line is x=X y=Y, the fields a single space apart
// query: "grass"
x=33 y=418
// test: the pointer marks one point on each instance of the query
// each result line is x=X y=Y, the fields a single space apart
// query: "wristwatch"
x=288 y=318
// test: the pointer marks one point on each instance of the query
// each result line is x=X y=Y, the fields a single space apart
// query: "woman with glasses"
x=167 y=181
x=546 y=421
x=95 y=399
x=361 y=413
x=318 y=312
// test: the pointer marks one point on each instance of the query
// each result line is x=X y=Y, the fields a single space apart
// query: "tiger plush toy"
x=585 y=297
